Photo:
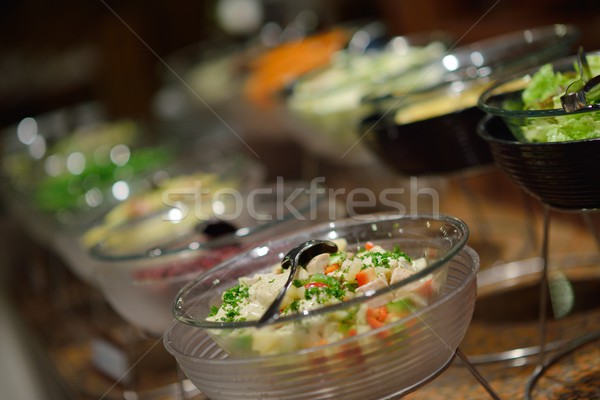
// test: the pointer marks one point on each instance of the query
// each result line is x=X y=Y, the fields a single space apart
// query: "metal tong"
x=584 y=91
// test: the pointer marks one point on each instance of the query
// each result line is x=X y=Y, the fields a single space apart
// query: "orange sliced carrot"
x=365 y=276
x=279 y=67
x=330 y=268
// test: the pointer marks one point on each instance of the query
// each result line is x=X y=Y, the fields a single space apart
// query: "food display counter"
x=457 y=258
x=82 y=334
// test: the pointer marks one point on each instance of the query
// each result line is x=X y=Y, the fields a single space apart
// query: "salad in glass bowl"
x=530 y=103
x=182 y=200
x=333 y=296
x=77 y=171
x=327 y=103
x=361 y=322
x=327 y=279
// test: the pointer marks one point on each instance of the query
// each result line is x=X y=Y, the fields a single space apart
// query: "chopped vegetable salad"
x=326 y=280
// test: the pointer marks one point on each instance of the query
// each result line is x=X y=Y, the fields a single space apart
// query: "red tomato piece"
x=315 y=284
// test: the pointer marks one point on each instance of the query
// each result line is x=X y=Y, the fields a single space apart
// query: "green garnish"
x=295 y=306
x=350 y=286
x=232 y=298
x=299 y=283
x=324 y=293
x=382 y=259
x=327 y=288
x=322 y=278
x=213 y=311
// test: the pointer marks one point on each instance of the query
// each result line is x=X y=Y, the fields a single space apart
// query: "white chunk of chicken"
x=375 y=284
x=317 y=264
x=399 y=274
x=379 y=283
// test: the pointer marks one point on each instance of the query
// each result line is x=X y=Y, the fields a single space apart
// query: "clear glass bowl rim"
x=559 y=32
x=484 y=134
x=523 y=74
x=156 y=252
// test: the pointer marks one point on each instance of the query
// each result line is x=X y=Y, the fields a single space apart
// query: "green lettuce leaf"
x=544 y=92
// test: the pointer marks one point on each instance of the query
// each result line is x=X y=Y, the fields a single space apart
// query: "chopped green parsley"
x=382 y=259
x=232 y=299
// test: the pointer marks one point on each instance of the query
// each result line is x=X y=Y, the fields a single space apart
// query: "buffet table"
x=75 y=326
x=108 y=219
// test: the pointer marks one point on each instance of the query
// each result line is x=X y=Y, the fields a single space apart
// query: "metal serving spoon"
x=215 y=228
x=298 y=256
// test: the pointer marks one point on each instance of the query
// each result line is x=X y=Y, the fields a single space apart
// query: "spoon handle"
x=272 y=313
x=299 y=255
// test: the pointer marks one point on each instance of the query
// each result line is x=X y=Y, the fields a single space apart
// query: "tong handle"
x=583 y=92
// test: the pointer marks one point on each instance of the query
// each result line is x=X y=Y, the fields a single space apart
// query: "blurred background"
x=52 y=56
x=117 y=53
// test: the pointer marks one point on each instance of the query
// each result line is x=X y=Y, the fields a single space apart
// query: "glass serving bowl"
x=241 y=82
x=419 y=134
x=326 y=103
x=506 y=52
x=168 y=210
x=63 y=170
x=59 y=168
x=140 y=280
x=201 y=79
x=551 y=153
x=401 y=127
x=379 y=362
x=157 y=186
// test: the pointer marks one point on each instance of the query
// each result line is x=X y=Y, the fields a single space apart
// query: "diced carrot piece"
x=369 y=245
x=374 y=323
x=379 y=313
x=330 y=268
x=365 y=276
x=426 y=289
x=376 y=318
